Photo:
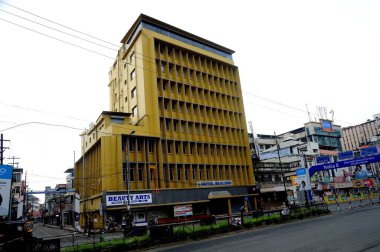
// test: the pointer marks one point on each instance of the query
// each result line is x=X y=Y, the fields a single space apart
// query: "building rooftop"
x=169 y=28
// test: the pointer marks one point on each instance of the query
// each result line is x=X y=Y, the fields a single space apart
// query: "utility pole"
x=13 y=161
x=2 y=148
x=282 y=172
x=128 y=175
x=26 y=196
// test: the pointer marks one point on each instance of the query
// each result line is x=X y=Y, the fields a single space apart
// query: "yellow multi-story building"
x=176 y=136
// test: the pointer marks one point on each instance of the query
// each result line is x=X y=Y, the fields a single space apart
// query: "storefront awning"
x=219 y=194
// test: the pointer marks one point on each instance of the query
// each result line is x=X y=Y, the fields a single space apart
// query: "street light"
x=282 y=172
x=128 y=172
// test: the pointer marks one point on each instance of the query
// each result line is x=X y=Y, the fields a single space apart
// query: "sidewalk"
x=68 y=228
x=355 y=204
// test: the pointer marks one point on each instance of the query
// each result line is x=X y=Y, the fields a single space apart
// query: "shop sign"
x=183 y=210
x=303 y=179
x=122 y=199
x=322 y=159
x=5 y=188
x=345 y=155
x=372 y=150
x=360 y=183
x=214 y=183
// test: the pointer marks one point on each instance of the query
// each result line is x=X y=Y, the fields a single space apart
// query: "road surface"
x=354 y=230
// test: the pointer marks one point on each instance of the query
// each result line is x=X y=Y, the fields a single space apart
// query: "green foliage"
x=197 y=231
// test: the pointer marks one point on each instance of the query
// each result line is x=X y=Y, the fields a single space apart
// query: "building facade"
x=276 y=158
x=176 y=134
x=354 y=137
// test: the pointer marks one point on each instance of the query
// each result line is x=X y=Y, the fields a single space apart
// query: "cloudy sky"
x=289 y=53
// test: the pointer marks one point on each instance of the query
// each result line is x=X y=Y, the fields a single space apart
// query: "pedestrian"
x=124 y=226
x=111 y=225
x=90 y=226
x=242 y=208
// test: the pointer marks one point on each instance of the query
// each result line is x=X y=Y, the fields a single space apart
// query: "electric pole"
x=2 y=148
x=282 y=172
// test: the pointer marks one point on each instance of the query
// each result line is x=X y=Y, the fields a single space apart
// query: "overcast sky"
x=289 y=54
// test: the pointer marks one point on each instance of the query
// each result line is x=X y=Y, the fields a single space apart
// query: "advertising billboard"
x=183 y=210
x=5 y=188
x=327 y=126
x=134 y=199
x=303 y=179
x=322 y=159
x=345 y=155
x=372 y=150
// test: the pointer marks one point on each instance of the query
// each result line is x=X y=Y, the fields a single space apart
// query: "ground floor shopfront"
x=166 y=205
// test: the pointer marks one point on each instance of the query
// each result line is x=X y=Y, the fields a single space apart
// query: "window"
x=131 y=174
x=174 y=105
x=139 y=145
x=169 y=146
x=150 y=146
x=186 y=173
x=133 y=92
x=200 y=174
x=134 y=111
x=193 y=173
x=177 y=147
x=132 y=57
x=162 y=66
x=182 y=126
x=175 y=125
x=133 y=74
x=167 y=124
x=186 y=90
x=151 y=172
x=184 y=147
x=191 y=148
x=178 y=173
x=166 y=104
x=171 y=174
x=131 y=145
x=140 y=174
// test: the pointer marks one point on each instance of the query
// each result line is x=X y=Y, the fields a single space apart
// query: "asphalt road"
x=355 y=230
x=68 y=237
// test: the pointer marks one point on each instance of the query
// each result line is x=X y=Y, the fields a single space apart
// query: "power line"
x=41 y=111
x=52 y=28
x=286 y=105
x=42 y=123
x=258 y=96
x=58 y=24
x=72 y=44
x=72 y=34
x=63 y=41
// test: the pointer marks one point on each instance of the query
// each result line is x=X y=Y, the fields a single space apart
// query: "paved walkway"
x=355 y=204
x=69 y=238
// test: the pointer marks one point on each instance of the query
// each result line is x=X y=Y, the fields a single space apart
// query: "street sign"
x=51 y=191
